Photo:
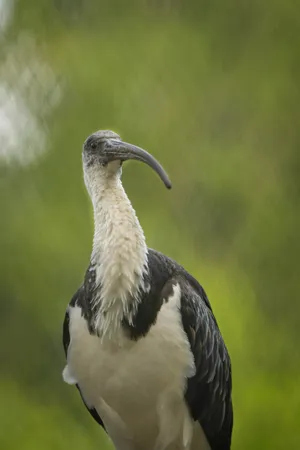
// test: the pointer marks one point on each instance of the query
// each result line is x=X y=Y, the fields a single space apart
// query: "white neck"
x=119 y=255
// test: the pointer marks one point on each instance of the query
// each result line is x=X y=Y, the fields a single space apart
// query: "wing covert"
x=208 y=393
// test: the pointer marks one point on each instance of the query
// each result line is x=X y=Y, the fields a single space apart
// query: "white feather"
x=119 y=250
x=143 y=382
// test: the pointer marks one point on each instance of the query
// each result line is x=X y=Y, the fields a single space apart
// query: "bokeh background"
x=212 y=88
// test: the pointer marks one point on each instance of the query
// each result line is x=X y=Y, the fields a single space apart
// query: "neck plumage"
x=119 y=256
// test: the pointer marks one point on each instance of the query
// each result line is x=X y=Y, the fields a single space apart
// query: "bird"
x=141 y=341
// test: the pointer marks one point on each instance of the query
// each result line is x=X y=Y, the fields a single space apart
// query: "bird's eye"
x=93 y=145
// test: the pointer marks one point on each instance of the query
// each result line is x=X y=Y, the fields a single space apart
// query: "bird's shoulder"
x=66 y=322
x=159 y=280
x=83 y=298
x=163 y=264
x=162 y=275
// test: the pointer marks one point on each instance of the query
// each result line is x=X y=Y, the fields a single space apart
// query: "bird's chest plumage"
x=137 y=379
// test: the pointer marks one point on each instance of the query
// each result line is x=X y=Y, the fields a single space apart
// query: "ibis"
x=142 y=344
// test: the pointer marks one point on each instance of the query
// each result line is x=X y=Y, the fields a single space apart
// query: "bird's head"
x=103 y=155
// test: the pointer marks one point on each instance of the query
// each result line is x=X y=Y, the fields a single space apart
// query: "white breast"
x=137 y=387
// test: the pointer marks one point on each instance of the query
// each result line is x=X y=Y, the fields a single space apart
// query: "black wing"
x=66 y=342
x=208 y=393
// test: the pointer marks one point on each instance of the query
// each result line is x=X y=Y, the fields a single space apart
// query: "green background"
x=212 y=89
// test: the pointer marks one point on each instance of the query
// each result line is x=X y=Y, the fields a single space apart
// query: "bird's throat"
x=119 y=257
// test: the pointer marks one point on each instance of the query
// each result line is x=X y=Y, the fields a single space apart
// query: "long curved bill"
x=124 y=151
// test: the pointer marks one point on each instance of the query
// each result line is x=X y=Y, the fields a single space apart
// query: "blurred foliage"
x=212 y=89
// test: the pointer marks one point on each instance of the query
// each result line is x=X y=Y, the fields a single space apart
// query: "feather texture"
x=206 y=385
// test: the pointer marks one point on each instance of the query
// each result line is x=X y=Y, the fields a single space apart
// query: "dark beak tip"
x=126 y=151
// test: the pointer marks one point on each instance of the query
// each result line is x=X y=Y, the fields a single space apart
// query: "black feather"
x=208 y=393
